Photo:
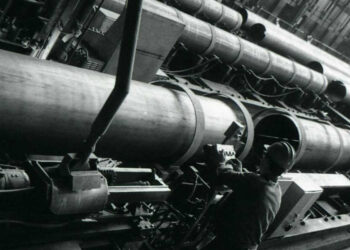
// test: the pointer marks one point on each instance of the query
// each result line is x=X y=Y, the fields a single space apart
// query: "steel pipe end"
x=337 y=91
x=244 y=14
x=257 y=32
x=267 y=132
x=317 y=66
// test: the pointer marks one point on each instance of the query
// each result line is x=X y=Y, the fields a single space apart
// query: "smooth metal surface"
x=206 y=39
x=319 y=146
x=212 y=12
x=48 y=108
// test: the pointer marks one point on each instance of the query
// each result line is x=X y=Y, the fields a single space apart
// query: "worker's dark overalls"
x=247 y=213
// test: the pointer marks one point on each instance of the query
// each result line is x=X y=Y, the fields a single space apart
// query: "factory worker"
x=246 y=215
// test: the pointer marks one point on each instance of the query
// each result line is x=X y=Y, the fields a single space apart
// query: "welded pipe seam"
x=240 y=53
x=199 y=118
x=341 y=151
x=269 y=65
x=292 y=79
x=199 y=10
x=212 y=12
x=212 y=44
x=223 y=14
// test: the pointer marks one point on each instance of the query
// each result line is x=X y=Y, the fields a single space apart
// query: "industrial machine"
x=106 y=106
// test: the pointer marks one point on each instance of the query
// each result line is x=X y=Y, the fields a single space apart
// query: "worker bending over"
x=247 y=213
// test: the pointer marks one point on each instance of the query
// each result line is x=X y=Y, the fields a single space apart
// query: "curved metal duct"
x=206 y=39
x=212 y=12
x=48 y=108
x=318 y=145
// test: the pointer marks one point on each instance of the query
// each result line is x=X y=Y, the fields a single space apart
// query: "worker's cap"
x=282 y=154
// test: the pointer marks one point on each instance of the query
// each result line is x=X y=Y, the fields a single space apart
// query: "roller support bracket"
x=74 y=192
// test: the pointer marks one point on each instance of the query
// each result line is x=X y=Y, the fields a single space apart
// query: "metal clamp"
x=240 y=53
x=208 y=50
x=291 y=80
x=222 y=16
x=341 y=150
x=200 y=121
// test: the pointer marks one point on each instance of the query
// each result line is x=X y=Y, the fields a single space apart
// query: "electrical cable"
x=193 y=189
x=191 y=68
x=262 y=94
x=271 y=78
x=206 y=69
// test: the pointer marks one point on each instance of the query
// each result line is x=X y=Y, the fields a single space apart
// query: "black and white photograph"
x=174 y=125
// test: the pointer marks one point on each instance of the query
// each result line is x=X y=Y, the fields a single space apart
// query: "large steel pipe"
x=212 y=12
x=203 y=38
x=48 y=108
x=285 y=43
x=319 y=146
x=338 y=88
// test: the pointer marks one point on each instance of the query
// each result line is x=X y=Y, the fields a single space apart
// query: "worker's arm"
x=228 y=170
x=231 y=175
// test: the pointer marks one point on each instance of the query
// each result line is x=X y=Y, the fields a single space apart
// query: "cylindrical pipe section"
x=285 y=43
x=250 y=18
x=203 y=38
x=318 y=145
x=338 y=89
x=339 y=92
x=211 y=11
x=48 y=108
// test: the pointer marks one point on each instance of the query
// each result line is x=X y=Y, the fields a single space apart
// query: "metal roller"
x=206 y=39
x=48 y=108
x=285 y=43
x=212 y=12
x=318 y=145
